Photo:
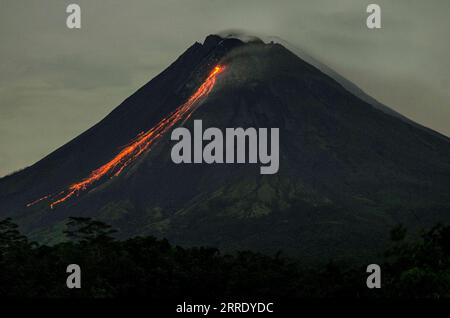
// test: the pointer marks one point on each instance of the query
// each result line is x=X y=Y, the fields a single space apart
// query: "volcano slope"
x=348 y=172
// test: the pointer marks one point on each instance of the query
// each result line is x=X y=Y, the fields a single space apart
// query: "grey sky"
x=55 y=82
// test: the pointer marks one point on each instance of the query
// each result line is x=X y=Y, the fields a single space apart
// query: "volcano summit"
x=348 y=170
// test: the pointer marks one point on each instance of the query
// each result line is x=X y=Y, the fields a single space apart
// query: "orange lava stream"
x=140 y=144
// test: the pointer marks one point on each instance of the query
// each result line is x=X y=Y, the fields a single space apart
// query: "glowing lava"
x=139 y=145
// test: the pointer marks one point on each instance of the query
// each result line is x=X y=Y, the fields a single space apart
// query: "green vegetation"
x=146 y=266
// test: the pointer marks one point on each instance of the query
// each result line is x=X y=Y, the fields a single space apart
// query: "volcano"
x=349 y=170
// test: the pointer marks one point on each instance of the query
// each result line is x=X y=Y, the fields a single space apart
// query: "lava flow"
x=140 y=144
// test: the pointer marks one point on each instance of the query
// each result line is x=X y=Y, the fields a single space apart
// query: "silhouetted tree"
x=10 y=235
x=81 y=229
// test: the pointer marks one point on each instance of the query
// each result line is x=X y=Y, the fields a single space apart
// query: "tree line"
x=151 y=267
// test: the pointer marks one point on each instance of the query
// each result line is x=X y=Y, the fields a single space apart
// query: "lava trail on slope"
x=143 y=142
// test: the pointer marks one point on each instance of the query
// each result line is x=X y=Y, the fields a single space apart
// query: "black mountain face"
x=348 y=171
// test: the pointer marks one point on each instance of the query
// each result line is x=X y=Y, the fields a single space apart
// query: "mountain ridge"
x=348 y=171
